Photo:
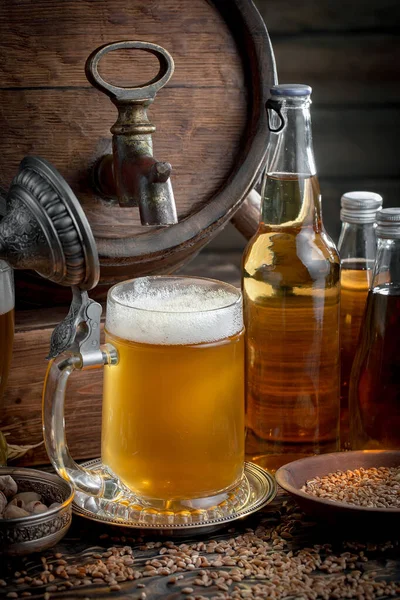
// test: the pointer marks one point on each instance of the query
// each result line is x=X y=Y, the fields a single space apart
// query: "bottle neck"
x=387 y=266
x=357 y=245
x=291 y=150
x=290 y=193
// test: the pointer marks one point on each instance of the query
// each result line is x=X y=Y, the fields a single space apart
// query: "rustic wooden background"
x=47 y=107
x=349 y=52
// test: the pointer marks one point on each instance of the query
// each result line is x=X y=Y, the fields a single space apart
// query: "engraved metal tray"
x=262 y=490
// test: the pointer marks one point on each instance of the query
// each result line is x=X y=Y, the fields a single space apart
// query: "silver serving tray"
x=262 y=490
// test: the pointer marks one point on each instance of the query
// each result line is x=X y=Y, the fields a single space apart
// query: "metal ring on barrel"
x=149 y=89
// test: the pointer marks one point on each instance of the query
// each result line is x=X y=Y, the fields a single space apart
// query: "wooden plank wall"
x=349 y=52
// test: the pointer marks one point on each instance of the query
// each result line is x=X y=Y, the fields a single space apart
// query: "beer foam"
x=6 y=289
x=174 y=311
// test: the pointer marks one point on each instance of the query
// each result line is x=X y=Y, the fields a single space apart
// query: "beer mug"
x=6 y=322
x=6 y=338
x=173 y=399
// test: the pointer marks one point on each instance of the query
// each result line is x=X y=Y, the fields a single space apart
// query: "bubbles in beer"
x=172 y=311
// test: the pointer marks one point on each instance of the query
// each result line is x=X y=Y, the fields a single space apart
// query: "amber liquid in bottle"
x=355 y=280
x=375 y=388
x=291 y=302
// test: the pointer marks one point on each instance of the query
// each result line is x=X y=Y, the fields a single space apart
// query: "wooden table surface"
x=279 y=528
x=279 y=531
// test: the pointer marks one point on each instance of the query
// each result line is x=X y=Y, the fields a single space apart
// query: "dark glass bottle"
x=357 y=250
x=291 y=301
x=374 y=398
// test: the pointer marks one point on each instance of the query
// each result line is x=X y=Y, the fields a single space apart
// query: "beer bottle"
x=291 y=286
x=357 y=250
x=374 y=398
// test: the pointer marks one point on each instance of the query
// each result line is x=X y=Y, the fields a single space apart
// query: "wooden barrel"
x=210 y=117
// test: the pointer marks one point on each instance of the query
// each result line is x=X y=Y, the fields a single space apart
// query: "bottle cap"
x=296 y=90
x=360 y=207
x=388 y=221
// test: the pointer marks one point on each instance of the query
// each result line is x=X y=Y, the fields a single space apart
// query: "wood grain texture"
x=359 y=143
x=356 y=91
x=308 y=16
x=229 y=239
x=342 y=70
x=210 y=118
x=20 y=415
x=71 y=128
x=247 y=218
x=349 y=53
x=59 y=36
x=380 y=558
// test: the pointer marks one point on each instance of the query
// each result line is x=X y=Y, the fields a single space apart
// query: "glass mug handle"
x=55 y=386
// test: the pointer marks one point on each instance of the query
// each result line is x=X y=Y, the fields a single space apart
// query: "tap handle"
x=137 y=94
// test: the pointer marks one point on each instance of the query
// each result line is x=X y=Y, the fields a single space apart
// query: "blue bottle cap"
x=296 y=90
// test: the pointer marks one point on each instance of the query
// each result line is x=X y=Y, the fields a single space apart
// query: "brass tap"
x=131 y=173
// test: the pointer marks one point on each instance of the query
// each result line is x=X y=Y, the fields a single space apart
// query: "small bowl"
x=37 y=532
x=293 y=476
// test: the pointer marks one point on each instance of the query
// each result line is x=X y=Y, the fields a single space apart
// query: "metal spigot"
x=45 y=228
x=132 y=173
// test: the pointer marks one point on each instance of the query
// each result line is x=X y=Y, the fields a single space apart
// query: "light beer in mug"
x=173 y=408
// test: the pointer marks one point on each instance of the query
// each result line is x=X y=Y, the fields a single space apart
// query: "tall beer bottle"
x=357 y=250
x=291 y=284
x=374 y=398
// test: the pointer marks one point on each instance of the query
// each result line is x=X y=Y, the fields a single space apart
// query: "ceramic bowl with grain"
x=293 y=476
x=37 y=532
